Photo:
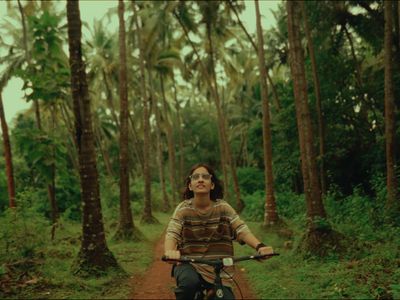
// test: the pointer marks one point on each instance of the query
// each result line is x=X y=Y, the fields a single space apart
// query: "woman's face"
x=200 y=181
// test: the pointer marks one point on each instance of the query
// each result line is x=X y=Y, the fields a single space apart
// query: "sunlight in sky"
x=13 y=97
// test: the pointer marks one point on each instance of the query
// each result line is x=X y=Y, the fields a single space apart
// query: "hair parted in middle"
x=216 y=193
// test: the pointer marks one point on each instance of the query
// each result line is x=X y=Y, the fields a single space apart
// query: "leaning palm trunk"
x=270 y=215
x=274 y=92
x=212 y=84
x=71 y=145
x=7 y=155
x=221 y=120
x=94 y=255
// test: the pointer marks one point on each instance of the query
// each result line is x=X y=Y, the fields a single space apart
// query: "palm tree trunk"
x=171 y=145
x=7 y=155
x=126 y=225
x=94 y=255
x=317 y=89
x=222 y=153
x=166 y=205
x=179 y=119
x=221 y=120
x=210 y=79
x=74 y=149
x=270 y=216
x=137 y=150
x=315 y=208
x=147 y=216
x=390 y=129
x=99 y=141
x=110 y=99
x=51 y=187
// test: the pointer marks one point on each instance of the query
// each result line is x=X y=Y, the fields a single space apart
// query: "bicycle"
x=216 y=292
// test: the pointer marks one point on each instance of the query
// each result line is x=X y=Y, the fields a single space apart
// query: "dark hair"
x=216 y=193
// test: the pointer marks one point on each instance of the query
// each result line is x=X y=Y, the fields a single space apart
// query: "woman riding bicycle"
x=204 y=226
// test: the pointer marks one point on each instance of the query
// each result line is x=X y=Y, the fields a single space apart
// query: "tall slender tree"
x=274 y=92
x=317 y=90
x=160 y=160
x=270 y=216
x=391 y=180
x=147 y=216
x=312 y=189
x=94 y=254
x=7 y=154
x=126 y=225
x=319 y=237
x=171 y=144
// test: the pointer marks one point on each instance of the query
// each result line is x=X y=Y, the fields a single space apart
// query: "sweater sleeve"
x=174 y=228
x=238 y=226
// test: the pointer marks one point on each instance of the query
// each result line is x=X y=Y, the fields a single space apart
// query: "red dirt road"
x=157 y=282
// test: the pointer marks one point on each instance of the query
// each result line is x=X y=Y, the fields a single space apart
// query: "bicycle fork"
x=219 y=292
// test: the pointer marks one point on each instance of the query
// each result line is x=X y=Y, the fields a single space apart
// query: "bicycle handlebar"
x=217 y=261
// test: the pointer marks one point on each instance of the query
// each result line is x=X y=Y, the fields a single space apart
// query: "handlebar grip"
x=261 y=256
x=182 y=259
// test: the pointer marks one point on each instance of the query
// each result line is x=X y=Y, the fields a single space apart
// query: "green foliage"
x=200 y=118
x=290 y=206
x=22 y=230
x=47 y=75
x=250 y=179
x=37 y=148
x=254 y=206
x=290 y=276
x=53 y=277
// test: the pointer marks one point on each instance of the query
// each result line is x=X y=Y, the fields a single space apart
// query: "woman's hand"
x=172 y=254
x=265 y=250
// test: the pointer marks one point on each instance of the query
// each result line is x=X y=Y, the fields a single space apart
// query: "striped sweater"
x=207 y=235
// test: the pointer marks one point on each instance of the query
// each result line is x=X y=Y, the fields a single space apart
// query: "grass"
x=52 y=278
x=372 y=275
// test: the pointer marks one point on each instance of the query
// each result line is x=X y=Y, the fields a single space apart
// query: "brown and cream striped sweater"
x=207 y=235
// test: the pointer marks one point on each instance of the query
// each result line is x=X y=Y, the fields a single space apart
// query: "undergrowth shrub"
x=254 y=206
x=110 y=199
x=290 y=206
x=251 y=179
x=23 y=231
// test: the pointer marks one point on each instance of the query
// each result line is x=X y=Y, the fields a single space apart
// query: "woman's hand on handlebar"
x=173 y=254
x=265 y=251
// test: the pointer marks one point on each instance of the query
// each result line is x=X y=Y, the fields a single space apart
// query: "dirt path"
x=157 y=282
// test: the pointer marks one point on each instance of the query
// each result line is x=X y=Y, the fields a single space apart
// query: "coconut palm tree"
x=391 y=179
x=94 y=254
x=147 y=216
x=126 y=224
x=271 y=215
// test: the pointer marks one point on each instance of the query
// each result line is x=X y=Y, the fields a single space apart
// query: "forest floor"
x=157 y=283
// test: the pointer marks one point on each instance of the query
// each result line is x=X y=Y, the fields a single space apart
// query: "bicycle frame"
x=218 y=265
